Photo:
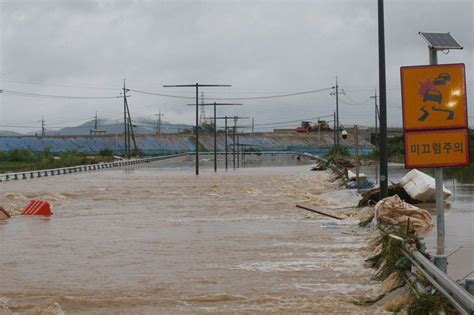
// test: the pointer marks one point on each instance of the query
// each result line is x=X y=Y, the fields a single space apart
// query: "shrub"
x=106 y=152
x=21 y=155
x=69 y=158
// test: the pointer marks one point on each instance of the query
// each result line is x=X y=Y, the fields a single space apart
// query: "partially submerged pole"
x=357 y=156
x=226 y=145
x=215 y=139
x=233 y=142
x=320 y=212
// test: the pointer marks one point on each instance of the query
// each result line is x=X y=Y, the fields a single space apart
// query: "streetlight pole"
x=382 y=104
x=197 y=85
x=215 y=104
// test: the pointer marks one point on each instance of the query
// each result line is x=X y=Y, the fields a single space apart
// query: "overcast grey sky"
x=262 y=48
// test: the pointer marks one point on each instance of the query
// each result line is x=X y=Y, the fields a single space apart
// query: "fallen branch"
x=319 y=212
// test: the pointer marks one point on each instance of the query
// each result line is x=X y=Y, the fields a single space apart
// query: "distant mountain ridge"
x=142 y=126
x=7 y=133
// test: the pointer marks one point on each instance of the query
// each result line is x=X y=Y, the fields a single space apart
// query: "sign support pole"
x=440 y=259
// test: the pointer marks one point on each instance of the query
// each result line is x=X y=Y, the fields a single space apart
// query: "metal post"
x=226 y=160
x=440 y=260
x=469 y=284
x=357 y=156
x=238 y=151
x=382 y=104
x=337 y=113
x=319 y=135
x=233 y=141
x=376 y=116
x=433 y=56
x=440 y=238
x=439 y=211
x=215 y=139
x=197 y=129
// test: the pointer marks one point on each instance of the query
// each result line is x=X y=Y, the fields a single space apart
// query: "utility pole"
x=130 y=125
x=376 y=117
x=234 y=141
x=95 y=121
x=253 y=124
x=383 y=104
x=125 y=124
x=336 y=93
x=158 y=122
x=43 y=130
x=197 y=85
x=356 y=129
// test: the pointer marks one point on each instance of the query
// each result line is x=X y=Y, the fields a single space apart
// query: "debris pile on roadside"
x=392 y=222
x=394 y=211
x=415 y=187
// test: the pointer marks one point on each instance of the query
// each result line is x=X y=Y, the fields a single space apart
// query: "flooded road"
x=160 y=240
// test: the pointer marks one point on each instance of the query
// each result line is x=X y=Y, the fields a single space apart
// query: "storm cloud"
x=86 y=48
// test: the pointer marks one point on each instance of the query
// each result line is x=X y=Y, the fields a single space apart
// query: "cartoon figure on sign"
x=430 y=93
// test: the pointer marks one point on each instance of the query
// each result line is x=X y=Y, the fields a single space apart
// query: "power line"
x=355 y=103
x=61 y=85
x=274 y=96
x=27 y=94
x=235 y=98
x=160 y=94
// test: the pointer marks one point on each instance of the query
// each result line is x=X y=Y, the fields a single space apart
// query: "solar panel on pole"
x=440 y=41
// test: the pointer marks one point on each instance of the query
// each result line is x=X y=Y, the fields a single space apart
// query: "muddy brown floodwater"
x=153 y=240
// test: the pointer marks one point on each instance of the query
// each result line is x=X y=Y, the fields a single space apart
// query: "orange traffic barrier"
x=37 y=207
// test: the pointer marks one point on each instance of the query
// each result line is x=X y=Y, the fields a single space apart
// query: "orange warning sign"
x=434 y=97
x=443 y=148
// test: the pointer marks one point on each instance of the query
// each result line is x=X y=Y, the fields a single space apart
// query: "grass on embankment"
x=21 y=160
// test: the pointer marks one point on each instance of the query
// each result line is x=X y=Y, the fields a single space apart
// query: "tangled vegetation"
x=393 y=268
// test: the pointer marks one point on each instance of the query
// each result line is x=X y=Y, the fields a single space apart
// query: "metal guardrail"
x=81 y=168
x=461 y=299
